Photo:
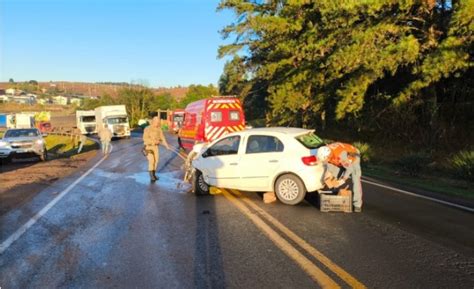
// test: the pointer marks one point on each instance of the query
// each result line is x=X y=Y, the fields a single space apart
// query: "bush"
x=462 y=164
x=365 y=150
x=412 y=164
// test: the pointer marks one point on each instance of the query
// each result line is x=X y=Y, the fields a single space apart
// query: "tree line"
x=395 y=71
x=141 y=100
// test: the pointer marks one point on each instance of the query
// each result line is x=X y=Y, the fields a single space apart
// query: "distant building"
x=60 y=100
x=4 y=98
x=75 y=101
x=23 y=99
x=42 y=101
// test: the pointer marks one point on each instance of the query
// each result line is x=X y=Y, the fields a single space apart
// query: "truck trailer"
x=115 y=118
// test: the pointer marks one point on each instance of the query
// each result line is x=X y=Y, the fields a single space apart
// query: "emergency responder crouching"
x=152 y=137
x=343 y=161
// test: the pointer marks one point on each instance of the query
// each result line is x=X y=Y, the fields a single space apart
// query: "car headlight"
x=40 y=142
x=4 y=143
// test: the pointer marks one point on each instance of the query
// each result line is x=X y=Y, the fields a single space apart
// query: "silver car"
x=25 y=141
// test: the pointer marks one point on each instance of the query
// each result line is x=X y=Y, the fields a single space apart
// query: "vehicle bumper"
x=5 y=153
x=27 y=151
x=312 y=177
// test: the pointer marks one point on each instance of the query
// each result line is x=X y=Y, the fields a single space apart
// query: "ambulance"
x=175 y=121
x=207 y=119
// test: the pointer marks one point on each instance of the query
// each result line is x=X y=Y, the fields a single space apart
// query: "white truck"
x=23 y=120
x=115 y=118
x=85 y=121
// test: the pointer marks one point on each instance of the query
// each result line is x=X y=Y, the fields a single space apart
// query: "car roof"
x=290 y=131
x=281 y=130
x=13 y=129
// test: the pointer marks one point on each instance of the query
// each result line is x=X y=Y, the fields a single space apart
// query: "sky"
x=154 y=42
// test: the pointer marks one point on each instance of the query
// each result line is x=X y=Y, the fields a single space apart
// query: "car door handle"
x=273 y=161
x=233 y=164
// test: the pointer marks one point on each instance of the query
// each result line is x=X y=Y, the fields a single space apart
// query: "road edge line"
x=465 y=208
x=20 y=231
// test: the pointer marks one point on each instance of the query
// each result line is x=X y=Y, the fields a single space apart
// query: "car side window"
x=227 y=146
x=263 y=144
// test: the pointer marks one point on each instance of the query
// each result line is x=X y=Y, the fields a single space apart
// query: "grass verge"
x=65 y=146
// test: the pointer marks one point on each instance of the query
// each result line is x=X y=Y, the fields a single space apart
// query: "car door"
x=260 y=161
x=220 y=163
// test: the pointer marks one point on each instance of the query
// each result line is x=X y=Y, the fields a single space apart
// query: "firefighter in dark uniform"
x=152 y=137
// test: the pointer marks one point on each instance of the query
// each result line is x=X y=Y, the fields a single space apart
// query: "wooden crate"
x=335 y=203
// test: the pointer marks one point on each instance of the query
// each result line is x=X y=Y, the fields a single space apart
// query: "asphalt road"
x=113 y=229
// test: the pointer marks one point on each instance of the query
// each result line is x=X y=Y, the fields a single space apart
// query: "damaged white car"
x=281 y=160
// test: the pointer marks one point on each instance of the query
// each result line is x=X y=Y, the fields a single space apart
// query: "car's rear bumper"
x=312 y=177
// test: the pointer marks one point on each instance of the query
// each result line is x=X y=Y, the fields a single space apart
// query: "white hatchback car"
x=278 y=159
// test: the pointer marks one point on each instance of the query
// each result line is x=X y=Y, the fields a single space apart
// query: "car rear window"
x=234 y=115
x=216 y=116
x=310 y=140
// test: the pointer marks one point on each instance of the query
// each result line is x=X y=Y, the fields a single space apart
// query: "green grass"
x=432 y=183
x=64 y=146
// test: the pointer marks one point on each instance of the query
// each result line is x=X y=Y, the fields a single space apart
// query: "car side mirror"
x=206 y=153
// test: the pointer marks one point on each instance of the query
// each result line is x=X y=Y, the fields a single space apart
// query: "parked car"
x=23 y=142
x=281 y=160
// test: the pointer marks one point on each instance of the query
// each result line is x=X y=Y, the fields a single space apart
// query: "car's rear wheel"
x=200 y=186
x=290 y=189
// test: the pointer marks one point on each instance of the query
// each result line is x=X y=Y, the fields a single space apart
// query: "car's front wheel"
x=290 y=189
x=6 y=160
x=44 y=157
x=200 y=186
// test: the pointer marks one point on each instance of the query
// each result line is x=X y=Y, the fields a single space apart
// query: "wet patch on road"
x=171 y=181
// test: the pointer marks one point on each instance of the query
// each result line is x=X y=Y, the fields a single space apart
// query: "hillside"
x=89 y=89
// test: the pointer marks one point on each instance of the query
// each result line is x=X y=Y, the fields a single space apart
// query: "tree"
x=339 y=60
x=197 y=92
x=11 y=80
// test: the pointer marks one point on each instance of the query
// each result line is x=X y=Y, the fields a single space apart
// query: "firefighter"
x=105 y=136
x=343 y=161
x=152 y=137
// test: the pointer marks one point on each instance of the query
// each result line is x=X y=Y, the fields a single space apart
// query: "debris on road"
x=269 y=197
x=335 y=203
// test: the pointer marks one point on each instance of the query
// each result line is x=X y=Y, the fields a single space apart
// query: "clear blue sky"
x=163 y=42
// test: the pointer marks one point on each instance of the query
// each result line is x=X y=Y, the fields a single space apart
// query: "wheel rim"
x=288 y=189
x=202 y=185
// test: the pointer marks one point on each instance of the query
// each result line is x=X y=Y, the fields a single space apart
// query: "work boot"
x=358 y=209
x=152 y=177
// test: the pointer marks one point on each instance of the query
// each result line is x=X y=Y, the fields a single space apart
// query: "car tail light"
x=310 y=161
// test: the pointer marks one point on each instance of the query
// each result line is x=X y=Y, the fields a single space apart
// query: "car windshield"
x=117 y=120
x=178 y=118
x=88 y=118
x=21 y=133
x=310 y=140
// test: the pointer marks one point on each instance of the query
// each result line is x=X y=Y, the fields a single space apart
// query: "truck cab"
x=85 y=121
x=115 y=118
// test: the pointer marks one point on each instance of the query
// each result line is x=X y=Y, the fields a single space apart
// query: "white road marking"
x=18 y=233
x=421 y=196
